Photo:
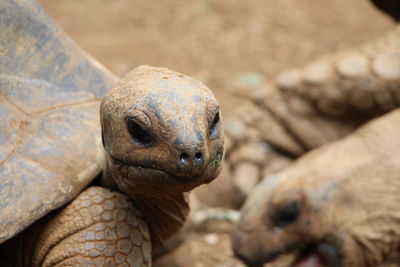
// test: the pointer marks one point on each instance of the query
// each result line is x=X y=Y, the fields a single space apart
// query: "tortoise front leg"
x=98 y=228
x=325 y=100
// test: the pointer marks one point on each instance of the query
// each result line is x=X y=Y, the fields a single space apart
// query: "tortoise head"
x=335 y=206
x=161 y=132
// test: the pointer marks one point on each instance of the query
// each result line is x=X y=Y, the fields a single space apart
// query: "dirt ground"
x=217 y=42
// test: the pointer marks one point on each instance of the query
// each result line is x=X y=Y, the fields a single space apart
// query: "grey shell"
x=50 y=140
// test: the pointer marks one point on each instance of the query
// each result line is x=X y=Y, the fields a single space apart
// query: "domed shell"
x=50 y=136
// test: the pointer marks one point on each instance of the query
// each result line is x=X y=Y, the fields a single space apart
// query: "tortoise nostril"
x=199 y=156
x=190 y=159
x=184 y=157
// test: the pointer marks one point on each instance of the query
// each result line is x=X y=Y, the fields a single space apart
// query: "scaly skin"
x=339 y=201
x=99 y=227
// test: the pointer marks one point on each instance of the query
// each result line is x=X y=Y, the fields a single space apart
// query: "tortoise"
x=157 y=136
x=304 y=109
x=338 y=205
x=308 y=106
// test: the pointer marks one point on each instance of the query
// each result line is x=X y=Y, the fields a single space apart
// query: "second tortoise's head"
x=161 y=132
x=335 y=206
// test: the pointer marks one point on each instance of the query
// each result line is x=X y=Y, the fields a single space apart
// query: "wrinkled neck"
x=164 y=215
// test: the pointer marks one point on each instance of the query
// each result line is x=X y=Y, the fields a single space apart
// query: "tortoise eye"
x=286 y=214
x=139 y=133
x=213 y=129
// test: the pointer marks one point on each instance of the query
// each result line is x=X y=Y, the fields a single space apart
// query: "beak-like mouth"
x=185 y=178
x=139 y=167
x=154 y=180
x=320 y=254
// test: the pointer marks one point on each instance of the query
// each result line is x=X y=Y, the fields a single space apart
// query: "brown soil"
x=216 y=41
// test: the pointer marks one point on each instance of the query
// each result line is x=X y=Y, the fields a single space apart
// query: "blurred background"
x=219 y=42
x=225 y=44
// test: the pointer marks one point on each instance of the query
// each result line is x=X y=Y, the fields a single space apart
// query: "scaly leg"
x=98 y=228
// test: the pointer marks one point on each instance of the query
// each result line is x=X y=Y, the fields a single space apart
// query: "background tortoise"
x=160 y=131
x=338 y=205
x=305 y=107
x=346 y=188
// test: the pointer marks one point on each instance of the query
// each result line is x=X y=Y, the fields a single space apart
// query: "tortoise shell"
x=49 y=116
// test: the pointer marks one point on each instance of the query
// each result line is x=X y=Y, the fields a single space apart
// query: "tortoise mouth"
x=144 y=168
x=152 y=180
x=155 y=171
x=318 y=254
